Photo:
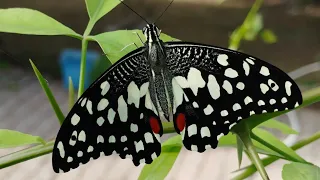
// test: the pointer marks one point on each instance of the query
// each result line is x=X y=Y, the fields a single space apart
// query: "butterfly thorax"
x=160 y=78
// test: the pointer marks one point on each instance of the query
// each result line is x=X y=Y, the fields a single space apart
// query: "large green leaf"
x=32 y=22
x=98 y=8
x=162 y=165
x=299 y=171
x=274 y=124
x=10 y=139
x=277 y=145
x=116 y=44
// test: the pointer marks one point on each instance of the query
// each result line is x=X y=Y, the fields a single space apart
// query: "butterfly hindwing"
x=111 y=117
x=214 y=88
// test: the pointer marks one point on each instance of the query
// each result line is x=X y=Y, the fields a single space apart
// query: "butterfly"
x=203 y=90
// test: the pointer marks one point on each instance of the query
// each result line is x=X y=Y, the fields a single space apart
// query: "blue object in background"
x=70 y=60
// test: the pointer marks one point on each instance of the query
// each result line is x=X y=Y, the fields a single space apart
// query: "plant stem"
x=71 y=94
x=269 y=160
x=84 y=45
x=244 y=133
x=26 y=154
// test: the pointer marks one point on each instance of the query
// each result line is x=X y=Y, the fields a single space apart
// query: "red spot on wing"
x=154 y=123
x=181 y=121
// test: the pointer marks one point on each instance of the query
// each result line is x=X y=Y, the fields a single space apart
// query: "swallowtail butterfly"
x=203 y=90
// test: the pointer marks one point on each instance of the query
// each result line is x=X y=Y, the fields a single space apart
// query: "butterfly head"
x=152 y=33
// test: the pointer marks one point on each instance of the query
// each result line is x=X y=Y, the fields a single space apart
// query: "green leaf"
x=48 y=92
x=274 y=124
x=71 y=93
x=32 y=22
x=10 y=139
x=298 y=171
x=230 y=140
x=116 y=44
x=161 y=166
x=276 y=145
x=98 y=8
x=268 y=36
x=239 y=150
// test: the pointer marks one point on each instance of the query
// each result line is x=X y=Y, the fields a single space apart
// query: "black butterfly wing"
x=114 y=115
x=214 y=88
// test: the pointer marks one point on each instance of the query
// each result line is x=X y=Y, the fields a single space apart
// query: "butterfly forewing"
x=114 y=115
x=214 y=88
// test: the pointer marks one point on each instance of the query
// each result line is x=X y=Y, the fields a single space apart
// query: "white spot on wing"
x=122 y=109
x=82 y=136
x=224 y=113
x=249 y=61
x=261 y=103
x=247 y=100
x=222 y=59
x=284 y=100
x=236 y=107
x=195 y=80
x=227 y=86
x=105 y=86
x=75 y=135
x=264 y=88
x=103 y=104
x=264 y=71
x=148 y=137
x=272 y=101
x=274 y=86
x=89 y=107
x=133 y=94
x=240 y=85
x=112 y=139
x=177 y=94
x=182 y=81
x=139 y=146
x=90 y=149
x=205 y=132
x=100 y=139
x=70 y=159
x=231 y=73
x=83 y=102
x=100 y=121
x=213 y=87
x=134 y=128
x=195 y=105
x=192 y=130
x=208 y=110
x=111 y=115
x=194 y=147
x=75 y=119
x=246 y=68
x=61 y=149
x=219 y=136
x=288 y=85
x=144 y=89
x=123 y=138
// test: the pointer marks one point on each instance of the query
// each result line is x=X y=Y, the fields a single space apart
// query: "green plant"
x=247 y=136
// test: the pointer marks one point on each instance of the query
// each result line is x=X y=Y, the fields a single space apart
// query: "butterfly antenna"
x=164 y=11
x=134 y=11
